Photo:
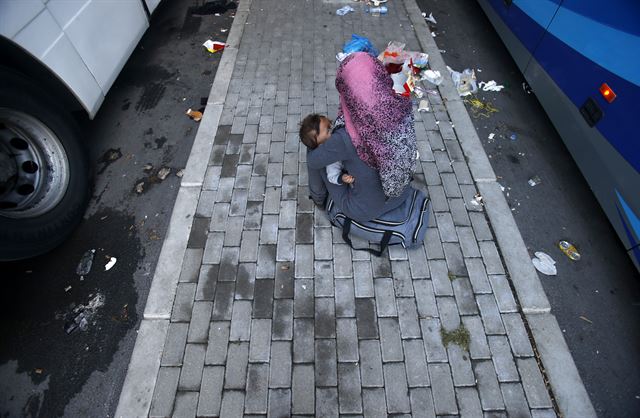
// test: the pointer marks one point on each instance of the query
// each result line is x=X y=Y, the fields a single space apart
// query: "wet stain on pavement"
x=38 y=295
x=150 y=97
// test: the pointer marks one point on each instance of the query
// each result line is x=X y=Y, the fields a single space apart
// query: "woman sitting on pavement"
x=373 y=136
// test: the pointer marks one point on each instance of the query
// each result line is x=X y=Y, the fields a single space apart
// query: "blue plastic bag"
x=359 y=44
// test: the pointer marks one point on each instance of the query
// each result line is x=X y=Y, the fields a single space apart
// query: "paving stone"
x=245 y=281
x=440 y=278
x=303 y=389
x=459 y=213
x=257 y=389
x=286 y=245
x=490 y=314
x=416 y=363
x=223 y=301
x=236 y=370
x=431 y=174
x=185 y=405
x=342 y=263
x=534 y=386
x=269 y=229
x=212 y=381
x=449 y=316
x=490 y=395
x=363 y=279
x=469 y=402
x=238 y=207
x=287 y=216
x=460 y=366
x=323 y=247
x=164 y=392
x=303 y=303
x=198 y=234
x=249 y=246
x=455 y=262
x=462 y=172
x=446 y=227
x=284 y=281
x=280 y=372
x=478 y=346
x=263 y=299
x=503 y=293
x=390 y=339
x=418 y=263
x=402 y=282
x=373 y=402
x=232 y=403
x=385 y=298
x=408 y=317
x=425 y=298
x=174 y=345
x=216 y=353
x=349 y=388
x=491 y=257
x=543 y=413
x=514 y=400
x=366 y=318
x=433 y=340
x=347 y=340
x=199 y=325
x=304 y=228
x=256 y=192
x=503 y=359
x=260 y=342
x=303 y=341
x=326 y=362
x=433 y=245
x=478 y=275
x=371 y=363
x=422 y=403
x=247 y=152
x=183 y=303
x=443 y=392
x=480 y=226
x=326 y=402
x=241 y=321
x=304 y=261
x=225 y=187
x=266 y=265
x=290 y=163
x=464 y=296
x=381 y=267
x=397 y=393
x=253 y=217
x=213 y=248
x=325 y=318
x=468 y=242
x=344 y=298
x=518 y=337
x=191 y=373
x=272 y=198
x=360 y=254
x=228 y=264
x=283 y=319
x=191 y=265
x=323 y=280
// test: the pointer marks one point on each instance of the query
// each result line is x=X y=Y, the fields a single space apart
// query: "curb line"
x=139 y=384
x=566 y=384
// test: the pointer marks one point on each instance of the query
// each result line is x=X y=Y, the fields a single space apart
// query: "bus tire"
x=44 y=170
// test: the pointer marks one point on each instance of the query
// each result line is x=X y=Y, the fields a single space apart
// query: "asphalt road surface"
x=141 y=128
x=596 y=300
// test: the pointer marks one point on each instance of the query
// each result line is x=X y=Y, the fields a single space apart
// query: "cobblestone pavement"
x=274 y=314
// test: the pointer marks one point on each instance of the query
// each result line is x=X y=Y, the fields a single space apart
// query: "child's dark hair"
x=309 y=129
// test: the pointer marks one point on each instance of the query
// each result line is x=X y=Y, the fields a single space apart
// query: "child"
x=314 y=131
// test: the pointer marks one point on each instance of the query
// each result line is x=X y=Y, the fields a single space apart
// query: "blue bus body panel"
x=580 y=44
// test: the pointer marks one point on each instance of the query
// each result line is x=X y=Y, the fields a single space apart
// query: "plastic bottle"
x=570 y=250
x=376 y=11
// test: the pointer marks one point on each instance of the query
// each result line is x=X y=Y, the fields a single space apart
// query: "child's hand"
x=348 y=178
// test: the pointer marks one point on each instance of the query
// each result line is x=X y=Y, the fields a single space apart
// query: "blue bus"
x=582 y=60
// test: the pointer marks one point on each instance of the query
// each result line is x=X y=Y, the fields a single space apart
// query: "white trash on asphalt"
x=464 y=81
x=490 y=86
x=84 y=266
x=433 y=77
x=110 y=264
x=544 y=263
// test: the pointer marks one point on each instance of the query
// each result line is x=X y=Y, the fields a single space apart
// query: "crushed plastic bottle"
x=569 y=250
x=376 y=11
x=534 y=181
x=344 y=10
x=84 y=266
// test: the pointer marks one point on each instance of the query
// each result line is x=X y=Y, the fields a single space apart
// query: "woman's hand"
x=348 y=178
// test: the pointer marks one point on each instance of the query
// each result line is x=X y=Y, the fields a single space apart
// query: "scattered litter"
x=430 y=18
x=340 y=56
x=491 y=135
x=344 y=10
x=534 y=181
x=110 y=264
x=284 y=267
x=180 y=172
x=81 y=315
x=433 y=77
x=195 y=115
x=223 y=30
x=39 y=371
x=423 y=106
x=214 y=46
x=66 y=289
x=569 y=250
x=465 y=81
x=84 y=266
x=513 y=137
x=526 y=87
x=490 y=86
x=163 y=173
x=479 y=70
x=376 y=11
x=433 y=34
x=479 y=108
x=147 y=167
x=140 y=187
x=359 y=44
x=544 y=264
x=585 y=319
x=478 y=200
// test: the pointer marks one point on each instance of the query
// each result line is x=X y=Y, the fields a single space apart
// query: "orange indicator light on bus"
x=607 y=93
